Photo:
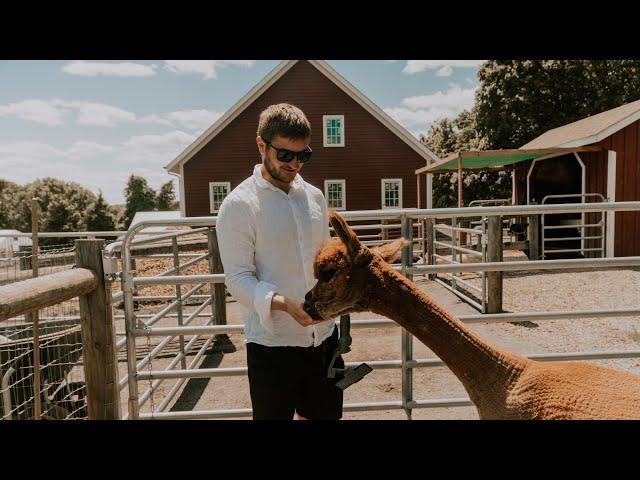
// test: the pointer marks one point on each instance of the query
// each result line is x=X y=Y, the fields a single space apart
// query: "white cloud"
x=194 y=119
x=412 y=118
x=206 y=68
x=83 y=149
x=98 y=114
x=445 y=71
x=420 y=111
x=455 y=98
x=53 y=112
x=93 y=165
x=156 y=149
x=415 y=66
x=39 y=111
x=157 y=119
x=123 y=69
x=28 y=150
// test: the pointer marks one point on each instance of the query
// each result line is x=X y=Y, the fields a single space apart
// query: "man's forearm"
x=278 y=302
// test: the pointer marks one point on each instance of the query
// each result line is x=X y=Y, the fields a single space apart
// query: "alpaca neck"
x=481 y=368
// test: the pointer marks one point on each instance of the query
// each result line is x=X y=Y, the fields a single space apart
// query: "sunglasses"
x=286 y=156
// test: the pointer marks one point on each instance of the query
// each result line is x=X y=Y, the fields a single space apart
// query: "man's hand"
x=299 y=314
x=278 y=302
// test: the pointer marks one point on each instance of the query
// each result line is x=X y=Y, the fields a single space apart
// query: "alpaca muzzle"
x=309 y=306
x=311 y=310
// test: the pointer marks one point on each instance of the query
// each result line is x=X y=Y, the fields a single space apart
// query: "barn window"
x=217 y=193
x=335 y=193
x=333 y=130
x=391 y=193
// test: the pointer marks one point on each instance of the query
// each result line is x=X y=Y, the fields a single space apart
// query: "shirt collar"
x=295 y=185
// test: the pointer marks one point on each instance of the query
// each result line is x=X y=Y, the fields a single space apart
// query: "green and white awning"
x=494 y=159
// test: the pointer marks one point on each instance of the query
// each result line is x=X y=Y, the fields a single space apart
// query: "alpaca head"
x=344 y=267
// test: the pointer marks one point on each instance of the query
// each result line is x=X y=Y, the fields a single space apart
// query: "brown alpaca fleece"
x=501 y=384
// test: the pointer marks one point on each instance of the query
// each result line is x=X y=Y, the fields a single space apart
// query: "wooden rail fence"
x=88 y=282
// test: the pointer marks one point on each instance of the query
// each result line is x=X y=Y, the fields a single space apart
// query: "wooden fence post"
x=34 y=317
x=494 y=254
x=219 y=293
x=429 y=238
x=534 y=237
x=98 y=337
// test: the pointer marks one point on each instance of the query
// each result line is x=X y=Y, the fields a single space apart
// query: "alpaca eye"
x=328 y=275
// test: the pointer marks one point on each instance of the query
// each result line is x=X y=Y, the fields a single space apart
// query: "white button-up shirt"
x=268 y=242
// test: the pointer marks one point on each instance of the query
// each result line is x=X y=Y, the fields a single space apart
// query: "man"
x=269 y=230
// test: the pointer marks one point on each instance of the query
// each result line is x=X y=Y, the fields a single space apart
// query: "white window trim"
x=611 y=197
x=324 y=130
x=399 y=180
x=344 y=192
x=213 y=184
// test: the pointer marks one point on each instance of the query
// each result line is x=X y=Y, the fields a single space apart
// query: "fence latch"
x=109 y=265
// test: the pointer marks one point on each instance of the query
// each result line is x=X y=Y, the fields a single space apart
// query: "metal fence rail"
x=137 y=329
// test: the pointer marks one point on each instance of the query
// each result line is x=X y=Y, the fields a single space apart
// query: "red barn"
x=362 y=160
x=612 y=171
x=594 y=159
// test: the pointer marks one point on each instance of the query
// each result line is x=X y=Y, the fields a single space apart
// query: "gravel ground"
x=548 y=291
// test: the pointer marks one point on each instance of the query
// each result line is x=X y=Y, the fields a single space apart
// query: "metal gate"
x=476 y=238
x=571 y=224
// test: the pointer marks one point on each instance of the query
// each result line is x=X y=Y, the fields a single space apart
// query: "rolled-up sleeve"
x=236 y=239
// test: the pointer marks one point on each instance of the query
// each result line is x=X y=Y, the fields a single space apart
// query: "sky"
x=97 y=122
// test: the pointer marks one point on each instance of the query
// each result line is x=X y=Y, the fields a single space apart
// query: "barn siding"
x=627 y=230
x=595 y=164
x=627 y=224
x=372 y=152
x=520 y=177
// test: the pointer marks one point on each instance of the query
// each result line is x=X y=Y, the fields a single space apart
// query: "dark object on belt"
x=351 y=375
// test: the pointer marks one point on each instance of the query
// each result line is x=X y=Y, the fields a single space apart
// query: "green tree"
x=166 y=197
x=99 y=217
x=447 y=136
x=63 y=205
x=519 y=100
x=12 y=196
x=140 y=197
x=117 y=213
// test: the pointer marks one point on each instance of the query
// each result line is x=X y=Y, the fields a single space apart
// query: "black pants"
x=283 y=380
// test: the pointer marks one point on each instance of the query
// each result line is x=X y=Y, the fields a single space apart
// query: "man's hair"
x=284 y=120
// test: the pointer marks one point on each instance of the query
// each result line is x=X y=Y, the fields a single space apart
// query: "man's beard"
x=273 y=171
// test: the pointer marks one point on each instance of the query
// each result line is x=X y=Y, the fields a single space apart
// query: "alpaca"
x=501 y=384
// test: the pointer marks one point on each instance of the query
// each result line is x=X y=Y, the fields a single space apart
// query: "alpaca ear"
x=344 y=232
x=391 y=251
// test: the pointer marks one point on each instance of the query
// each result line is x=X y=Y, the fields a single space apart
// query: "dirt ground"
x=547 y=291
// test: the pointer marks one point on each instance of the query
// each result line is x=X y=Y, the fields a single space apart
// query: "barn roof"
x=573 y=137
x=588 y=130
x=273 y=77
